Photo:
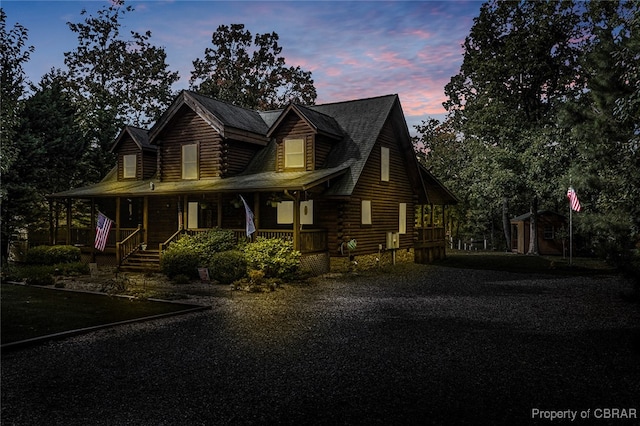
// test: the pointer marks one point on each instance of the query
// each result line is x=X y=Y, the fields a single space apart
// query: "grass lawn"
x=510 y=262
x=29 y=312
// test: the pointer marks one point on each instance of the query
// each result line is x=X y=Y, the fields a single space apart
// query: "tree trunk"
x=533 y=228
x=506 y=223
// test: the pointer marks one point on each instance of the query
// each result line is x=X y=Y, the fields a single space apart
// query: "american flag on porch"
x=102 y=231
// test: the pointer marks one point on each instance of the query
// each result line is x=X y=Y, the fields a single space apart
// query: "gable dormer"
x=136 y=158
x=201 y=138
x=304 y=138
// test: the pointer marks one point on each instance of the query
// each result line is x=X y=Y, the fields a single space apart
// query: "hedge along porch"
x=320 y=175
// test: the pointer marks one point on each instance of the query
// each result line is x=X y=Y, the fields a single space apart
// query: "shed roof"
x=527 y=216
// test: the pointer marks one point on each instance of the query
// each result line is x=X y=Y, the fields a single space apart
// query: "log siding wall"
x=129 y=147
x=293 y=127
x=188 y=128
x=385 y=200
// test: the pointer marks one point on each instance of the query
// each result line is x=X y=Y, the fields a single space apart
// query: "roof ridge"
x=394 y=95
x=191 y=92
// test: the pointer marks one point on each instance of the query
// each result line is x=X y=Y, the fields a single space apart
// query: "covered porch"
x=149 y=215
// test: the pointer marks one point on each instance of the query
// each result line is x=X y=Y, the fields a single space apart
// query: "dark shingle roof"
x=231 y=115
x=359 y=122
x=362 y=121
x=140 y=137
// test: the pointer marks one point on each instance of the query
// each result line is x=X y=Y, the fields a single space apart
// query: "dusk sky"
x=353 y=49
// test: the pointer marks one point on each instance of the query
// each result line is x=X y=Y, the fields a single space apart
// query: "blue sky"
x=354 y=49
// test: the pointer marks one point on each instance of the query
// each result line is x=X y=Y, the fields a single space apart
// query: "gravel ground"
x=421 y=345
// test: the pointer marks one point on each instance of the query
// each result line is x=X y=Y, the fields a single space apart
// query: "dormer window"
x=294 y=154
x=129 y=166
x=190 y=161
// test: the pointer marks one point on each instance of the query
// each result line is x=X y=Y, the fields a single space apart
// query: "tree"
x=13 y=54
x=49 y=146
x=519 y=64
x=117 y=81
x=602 y=121
x=248 y=72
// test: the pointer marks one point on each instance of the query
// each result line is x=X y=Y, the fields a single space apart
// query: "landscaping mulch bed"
x=417 y=345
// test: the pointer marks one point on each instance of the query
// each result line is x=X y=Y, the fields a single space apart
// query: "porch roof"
x=258 y=182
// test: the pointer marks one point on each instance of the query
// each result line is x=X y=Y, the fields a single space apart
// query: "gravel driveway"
x=422 y=345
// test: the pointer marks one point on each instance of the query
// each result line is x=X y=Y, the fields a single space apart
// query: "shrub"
x=228 y=266
x=274 y=256
x=184 y=256
x=50 y=255
x=39 y=275
x=180 y=261
x=72 y=269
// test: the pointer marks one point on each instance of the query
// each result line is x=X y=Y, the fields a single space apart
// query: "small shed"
x=552 y=233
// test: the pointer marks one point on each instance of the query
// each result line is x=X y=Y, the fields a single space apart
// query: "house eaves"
x=259 y=182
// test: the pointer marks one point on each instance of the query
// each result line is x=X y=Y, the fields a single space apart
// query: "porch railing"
x=129 y=245
x=430 y=234
x=175 y=237
x=311 y=240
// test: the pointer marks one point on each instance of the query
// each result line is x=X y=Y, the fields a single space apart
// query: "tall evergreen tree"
x=13 y=54
x=49 y=146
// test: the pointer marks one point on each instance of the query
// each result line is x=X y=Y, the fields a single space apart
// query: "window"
x=190 y=161
x=366 y=212
x=293 y=153
x=548 y=232
x=285 y=212
x=306 y=212
x=192 y=215
x=402 y=217
x=129 y=166
x=384 y=164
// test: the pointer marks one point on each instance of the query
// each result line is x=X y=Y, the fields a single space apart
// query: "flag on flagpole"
x=250 y=227
x=102 y=231
x=573 y=199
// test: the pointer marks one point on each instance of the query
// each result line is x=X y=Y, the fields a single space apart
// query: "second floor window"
x=294 y=153
x=129 y=166
x=384 y=164
x=190 y=161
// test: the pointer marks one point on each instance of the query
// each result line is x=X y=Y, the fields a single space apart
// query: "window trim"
x=134 y=166
x=196 y=162
x=287 y=153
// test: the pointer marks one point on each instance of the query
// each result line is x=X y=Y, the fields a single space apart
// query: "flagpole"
x=570 y=234
x=574 y=204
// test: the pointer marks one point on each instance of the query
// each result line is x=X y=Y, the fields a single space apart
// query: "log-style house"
x=321 y=175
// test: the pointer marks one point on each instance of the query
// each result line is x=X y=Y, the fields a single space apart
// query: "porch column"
x=296 y=221
x=118 y=199
x=256 y=212
x=219 y=211
x=52 y=230
x=145 y=219
x=93 y=231
x=69 y=221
